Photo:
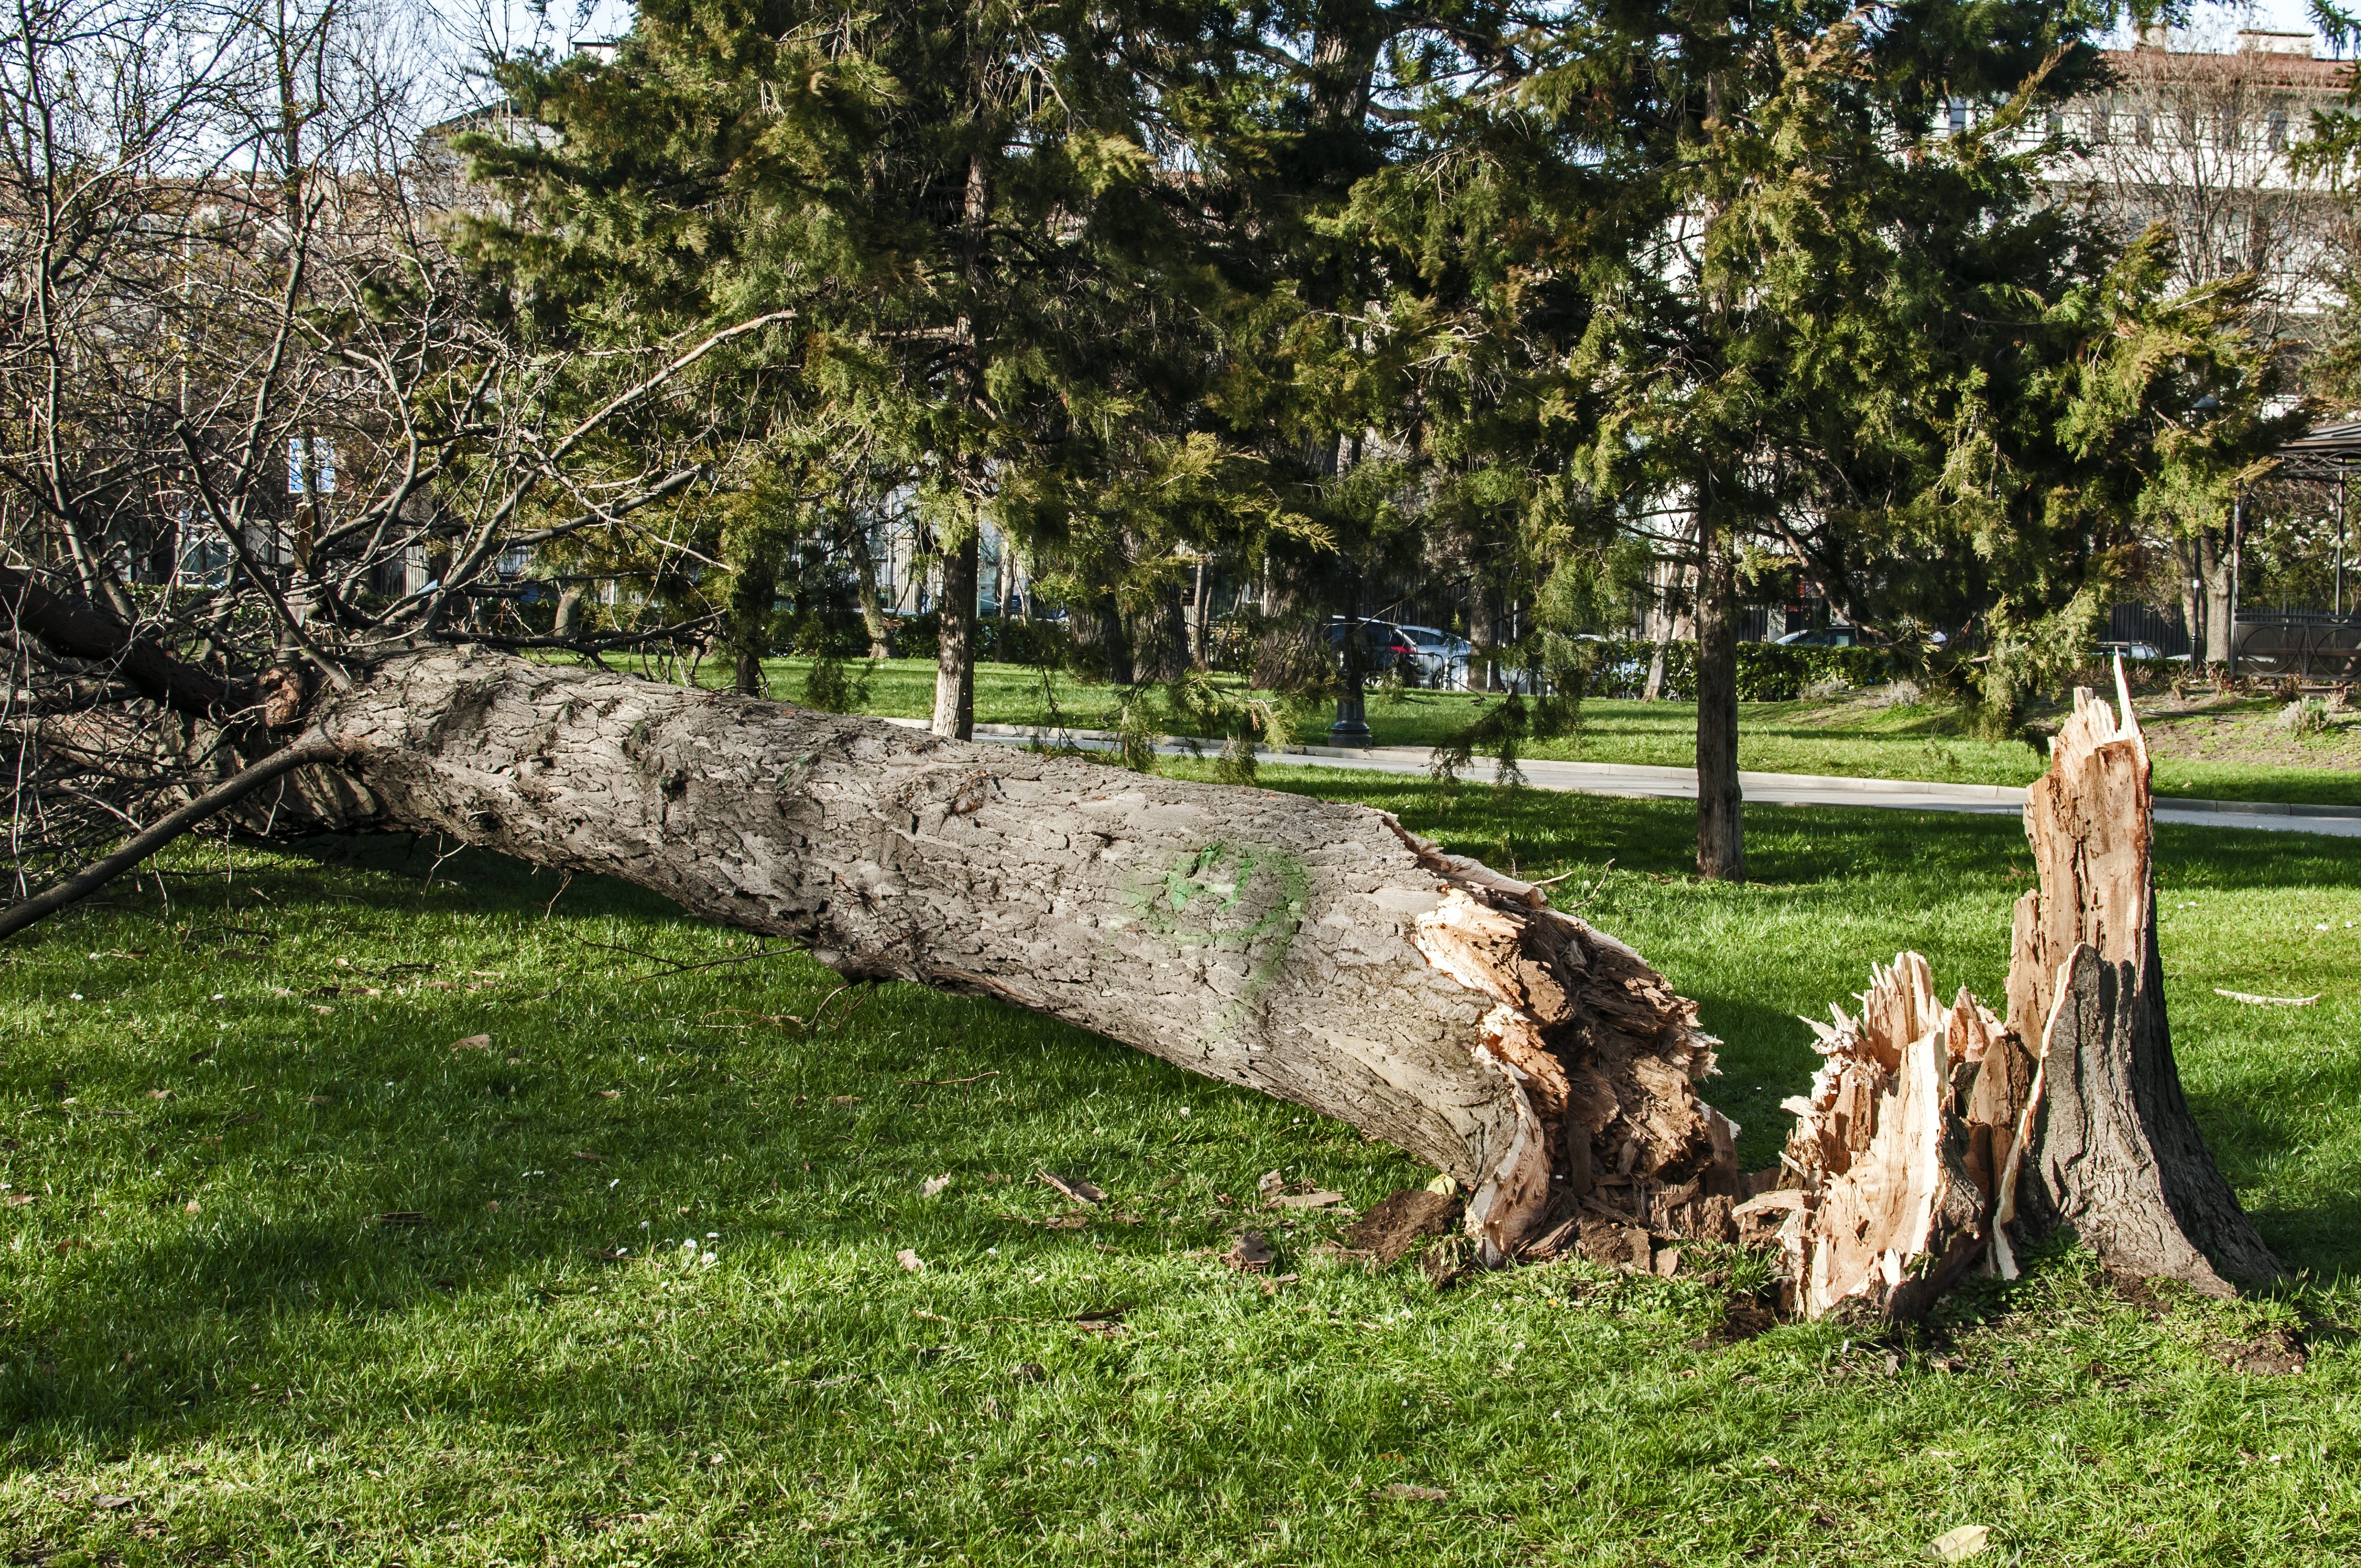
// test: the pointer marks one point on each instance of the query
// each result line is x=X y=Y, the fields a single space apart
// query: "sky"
x=521 y=19
x=518 y=23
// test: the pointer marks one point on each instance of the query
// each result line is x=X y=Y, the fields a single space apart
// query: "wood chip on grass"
x=1075 y=1188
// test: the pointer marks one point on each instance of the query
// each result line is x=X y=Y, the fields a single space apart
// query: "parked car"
x=1384 y=648
x=1831 y=636
x=1443 y=659
x=2130 y=650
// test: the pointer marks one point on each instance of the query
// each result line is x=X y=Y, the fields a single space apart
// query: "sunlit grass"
x=1844 y=738
x=225 y=1342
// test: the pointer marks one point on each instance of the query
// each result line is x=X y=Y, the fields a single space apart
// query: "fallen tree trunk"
x=1312 y=950
x=1931 y=1136
x=1320 y=953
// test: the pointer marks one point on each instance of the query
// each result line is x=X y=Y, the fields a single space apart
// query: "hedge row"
x=1767 y=672
x=998 y=641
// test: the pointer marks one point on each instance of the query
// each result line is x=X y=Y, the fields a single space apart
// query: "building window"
x=2143 y=128
x=2056 y=122
x=1958 y=107
x=2100 y=115
x=2276 y=131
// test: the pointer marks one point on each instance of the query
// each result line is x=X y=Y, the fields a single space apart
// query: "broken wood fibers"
x=1929 y=1133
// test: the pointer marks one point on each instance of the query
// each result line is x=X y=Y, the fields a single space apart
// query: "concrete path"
x=1633 y=779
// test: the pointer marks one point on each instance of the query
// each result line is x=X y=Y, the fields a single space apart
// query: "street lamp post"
x=1351 y=727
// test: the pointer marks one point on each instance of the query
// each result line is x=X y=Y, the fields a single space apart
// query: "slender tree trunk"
x=569 y=611
x=1312 y=950
x=874 y=620
x=1199 y=656
x=1721 y=842
x=1671 y=616
x=2213 y=570
x=955 y=644
x=2192 y=619
x=751 y=597
x=1484 y=631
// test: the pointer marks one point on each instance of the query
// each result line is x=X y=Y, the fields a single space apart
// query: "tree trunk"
x=1929 y=1135
x=1101 y=649
x=1158 y=635
x=1312 y=950
x=2213 y=552
x=2116 y=1159
x=1670 y=616
x=569 y=611
x=1721 y=841
x=752 y=595
x=2192 y=615
x=955 y=644
x=1484 y=631
x=872 y=614
x=1200 y=655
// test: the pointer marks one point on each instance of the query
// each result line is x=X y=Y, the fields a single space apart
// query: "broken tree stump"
x=1929 y=1134
x=1884 y=1212
x=2116 y=1159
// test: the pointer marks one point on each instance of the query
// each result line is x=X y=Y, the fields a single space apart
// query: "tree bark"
x=1312 y=950
x=1200 y=656
x=2115 y=1157
x=2213 y=547
x=1670 y=616
x=955 y=644
x=873 y=622
x=1158 y=633
x=1928 y=1137
x=1721 y=841
x=1483 y=631
x=751 y=597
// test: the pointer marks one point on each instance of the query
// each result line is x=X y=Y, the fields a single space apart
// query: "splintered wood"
x=1931 y=1134
x=2117 y=1161
x=1884 y=1212
x=1605 y=1056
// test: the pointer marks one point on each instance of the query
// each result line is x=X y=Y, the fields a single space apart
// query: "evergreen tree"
x=967 y=215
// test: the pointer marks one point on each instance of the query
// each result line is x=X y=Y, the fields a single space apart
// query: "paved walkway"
x=1762 y=789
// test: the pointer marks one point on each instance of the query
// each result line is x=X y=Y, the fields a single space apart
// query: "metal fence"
x=2314 y=645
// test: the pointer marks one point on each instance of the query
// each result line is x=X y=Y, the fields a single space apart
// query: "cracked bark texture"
x=2113 y=1156
x=1312 y=950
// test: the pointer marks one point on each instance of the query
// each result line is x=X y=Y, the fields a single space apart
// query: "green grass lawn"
x=301 y=1282
x=2221 y=749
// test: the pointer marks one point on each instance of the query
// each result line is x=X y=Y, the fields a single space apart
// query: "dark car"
x=1384 y=647
x=1823 y=637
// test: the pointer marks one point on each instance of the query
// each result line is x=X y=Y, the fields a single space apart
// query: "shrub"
x=2306 y=716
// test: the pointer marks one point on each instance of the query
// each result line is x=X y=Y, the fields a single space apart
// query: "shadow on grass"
x=356 y=1175
x=301 y=1126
